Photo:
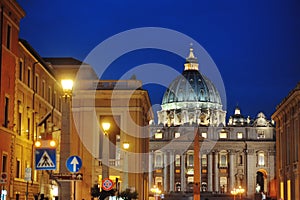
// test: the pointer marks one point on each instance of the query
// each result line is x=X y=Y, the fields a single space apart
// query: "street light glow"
x=126 y=145
x=37 y=144
x=52 y=143
x=105 y=126
x=237 y=191
x=67 y=84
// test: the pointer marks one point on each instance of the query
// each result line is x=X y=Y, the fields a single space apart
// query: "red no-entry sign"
x=107 y=184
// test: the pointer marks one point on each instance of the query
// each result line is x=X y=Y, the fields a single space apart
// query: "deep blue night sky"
x=255 y=44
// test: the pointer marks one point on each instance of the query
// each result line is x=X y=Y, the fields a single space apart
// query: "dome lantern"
x=191 y=61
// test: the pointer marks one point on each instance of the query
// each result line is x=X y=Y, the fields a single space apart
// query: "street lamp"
x=105 y=150
x=234 y=193
x=240 y=191
x=237 y=191
x=67 y=85
x=105 y=127
x=65 y=144
x=126 y=146
x=156 y=191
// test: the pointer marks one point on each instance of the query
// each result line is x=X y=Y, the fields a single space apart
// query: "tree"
x=128 y=195
x=103 y=194
x=95 y=191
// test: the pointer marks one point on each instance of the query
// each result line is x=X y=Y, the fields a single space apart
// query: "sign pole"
x=26 y=190
x=2 y=189
x=74 y=183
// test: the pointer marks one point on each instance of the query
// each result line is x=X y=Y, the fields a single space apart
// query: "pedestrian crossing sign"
x=45 y=159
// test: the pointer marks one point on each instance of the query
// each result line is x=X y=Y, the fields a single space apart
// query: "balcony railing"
x=112 y=163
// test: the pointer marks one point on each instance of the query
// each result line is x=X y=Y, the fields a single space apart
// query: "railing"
x=112 y=163
x=108 y=84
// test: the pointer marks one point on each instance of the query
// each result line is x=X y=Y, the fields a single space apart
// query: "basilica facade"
x=237 y=153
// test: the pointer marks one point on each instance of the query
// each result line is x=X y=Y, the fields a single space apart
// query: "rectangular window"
x=19 y=125
x=289 y=193
x=261 y=159
x=204 y=160
x=190 y=179
x=43 y=89
x=223 y=160
x=18 y=169
x=223 y=135
x=8 y=37
x=190 y=160
x=260 y=134
x=158 y=135
x=29 y=78
x=28 y=128
x=6 y=109
x=177 y=160
x=54 y=103
x=49 y=95
x=4 y=163
x=36 y=85
x=21 y=70
x=204 y=135
x=158 y=160
x=240 y=135
x=281 y=190
x=177 y=135
x=59 y=103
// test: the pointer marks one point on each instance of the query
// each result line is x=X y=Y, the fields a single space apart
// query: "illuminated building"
x=241 y=153
x=287 y=118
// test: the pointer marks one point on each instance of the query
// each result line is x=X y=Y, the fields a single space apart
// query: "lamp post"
x=65 y=144
x=126 y=146
x=105 y=150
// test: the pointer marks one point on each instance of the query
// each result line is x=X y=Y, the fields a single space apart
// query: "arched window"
x=204 y=160
x=177 y=160
x=190 y=158
x=261 y=159
x=223 y=158
x=158 y=159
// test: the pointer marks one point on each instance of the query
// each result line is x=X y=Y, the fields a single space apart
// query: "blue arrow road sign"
x=74 y=163
x=45 y=159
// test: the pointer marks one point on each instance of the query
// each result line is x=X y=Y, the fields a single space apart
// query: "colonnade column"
x=165 y=180
x=231 y=169
x=216 y=175
x=182 y=171
x=150 y=183
x=209 y=172
x=172 y=178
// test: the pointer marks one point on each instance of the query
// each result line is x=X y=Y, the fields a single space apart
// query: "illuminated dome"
x=191 y=86
x=191 y=89
x=191 y=98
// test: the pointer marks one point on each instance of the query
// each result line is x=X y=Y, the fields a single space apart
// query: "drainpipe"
x=34 y=126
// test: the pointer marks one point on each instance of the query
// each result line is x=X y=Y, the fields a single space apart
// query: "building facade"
x=287 y=118
x=126 y=107
x=31 y=107
x=241 y=153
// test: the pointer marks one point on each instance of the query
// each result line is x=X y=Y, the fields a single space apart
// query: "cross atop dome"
x=191 y=62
